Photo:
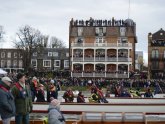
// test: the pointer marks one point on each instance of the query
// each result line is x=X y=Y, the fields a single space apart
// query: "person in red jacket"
x=68 y=95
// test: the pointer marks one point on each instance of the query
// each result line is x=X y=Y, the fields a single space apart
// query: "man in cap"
x=23 y=100
x=7 y=105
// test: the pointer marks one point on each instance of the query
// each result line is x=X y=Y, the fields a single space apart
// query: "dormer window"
x=100 y=31
x=122 y=31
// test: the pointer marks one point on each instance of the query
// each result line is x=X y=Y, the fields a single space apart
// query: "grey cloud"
x=52 y=16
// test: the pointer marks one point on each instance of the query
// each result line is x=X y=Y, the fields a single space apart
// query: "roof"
x=159 y=35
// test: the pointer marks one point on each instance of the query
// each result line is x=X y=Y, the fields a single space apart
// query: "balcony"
x=102 y=74
x=87 y=74
x=76 y=74
x=124 y=59
x=102 y=59
x=77 y=59
x=89 y=59
x=125 y=45
x=112 y=59
x=111 y=75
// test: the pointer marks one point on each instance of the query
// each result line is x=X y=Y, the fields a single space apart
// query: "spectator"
x=148 y=93
x=7 y=105
x=54 y=114
x=33 y=86
x=40 y=94
x=52 y=91
x=23 y=100
x=80 y=98
x=68 y=95
x=94 y=98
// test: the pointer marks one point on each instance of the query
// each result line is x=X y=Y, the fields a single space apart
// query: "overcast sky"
x=52 y=17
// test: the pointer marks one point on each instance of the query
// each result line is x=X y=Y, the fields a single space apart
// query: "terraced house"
x=156 y=54
x=11 y=60
x=102 y=48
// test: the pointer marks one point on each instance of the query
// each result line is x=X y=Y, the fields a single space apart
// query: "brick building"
x=156 y=54
x=102 y=48
x=50 y=59
x=11 y=60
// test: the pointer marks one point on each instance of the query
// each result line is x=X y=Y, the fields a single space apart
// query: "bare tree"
x=56 y=43
x=29 y=40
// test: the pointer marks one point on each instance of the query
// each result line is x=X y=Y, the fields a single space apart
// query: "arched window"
x=155 y=53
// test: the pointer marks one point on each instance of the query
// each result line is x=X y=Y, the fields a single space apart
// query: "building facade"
x=50 y=59
x=102 y=48
x=156 y=54
x=11 y=60
x=139 y=61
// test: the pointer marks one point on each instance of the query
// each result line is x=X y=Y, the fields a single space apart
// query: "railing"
x=102 y=59
x=101 y=45
x=77 y=59
x=85 y=74
x=77 y=74
x=101 y=74
x=89 y=59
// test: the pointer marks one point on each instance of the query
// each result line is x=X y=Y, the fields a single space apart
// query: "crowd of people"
x=17 y=97
x=20 y=91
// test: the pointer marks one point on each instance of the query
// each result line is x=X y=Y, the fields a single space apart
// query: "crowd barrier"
x=106 y=118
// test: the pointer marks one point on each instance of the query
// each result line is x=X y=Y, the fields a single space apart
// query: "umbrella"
x=2 y=71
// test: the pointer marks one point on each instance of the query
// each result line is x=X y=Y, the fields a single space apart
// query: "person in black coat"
x=40 y=94
x=80 y=98
x=7 y=105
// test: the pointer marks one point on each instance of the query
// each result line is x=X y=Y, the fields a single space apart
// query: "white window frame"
x=20 y=64
x=8 y=63
x=66 y=61
x=55 y=63
x=15 y=54
x=15 y=63
x=49 y=54
x=122 y=31
x=47 y=61
x=33 y=61
x=55 y=54
x=2 y=63
x=100 y=40
x=2 y=54
x=67 y=54
x=20 y=55
x=9 y=55
x=100 y=31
